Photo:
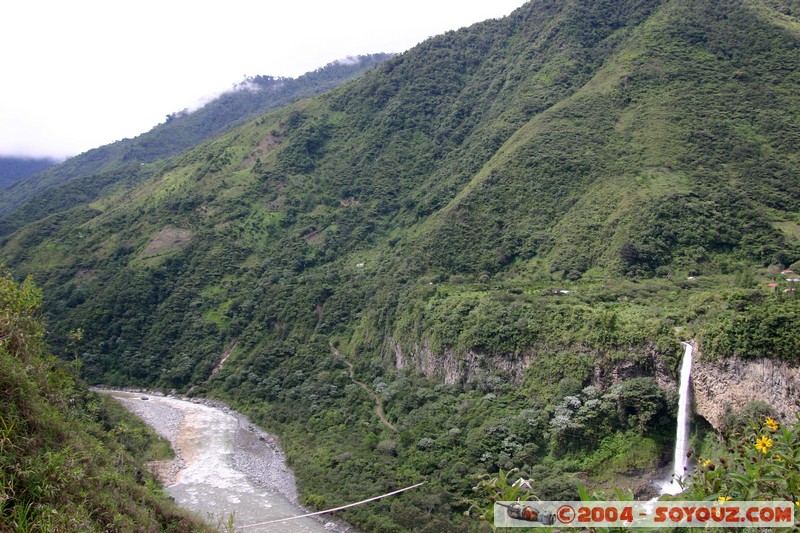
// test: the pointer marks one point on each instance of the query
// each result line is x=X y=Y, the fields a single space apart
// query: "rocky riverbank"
x=256 y=453
x=166 y=421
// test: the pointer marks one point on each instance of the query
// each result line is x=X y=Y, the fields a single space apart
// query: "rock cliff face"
x=716 y=385
x=733 y=382
x=452 y=368
x=464 y=368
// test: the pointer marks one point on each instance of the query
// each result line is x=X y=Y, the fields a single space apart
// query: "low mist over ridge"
x=58 y=101
x=107 y=166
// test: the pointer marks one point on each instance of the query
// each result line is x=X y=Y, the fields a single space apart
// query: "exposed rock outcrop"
x=718 y=386
x=465 y=368
x=733 y=382
x=651 y=363
x=452 y=368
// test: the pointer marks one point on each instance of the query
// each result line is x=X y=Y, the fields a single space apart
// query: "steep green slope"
x=66 y=460
x=505 y=230
x=667 y=155
x=121 y=164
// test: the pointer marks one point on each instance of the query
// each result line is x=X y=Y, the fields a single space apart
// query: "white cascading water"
x=680 y=461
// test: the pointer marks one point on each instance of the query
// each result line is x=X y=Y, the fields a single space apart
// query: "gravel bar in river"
x=224 y=464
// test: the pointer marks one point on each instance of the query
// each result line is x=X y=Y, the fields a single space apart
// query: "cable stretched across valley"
x=334 y=509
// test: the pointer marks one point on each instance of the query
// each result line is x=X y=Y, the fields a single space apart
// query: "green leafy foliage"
x=757 y=328
x=761 y=463
x=503 y=487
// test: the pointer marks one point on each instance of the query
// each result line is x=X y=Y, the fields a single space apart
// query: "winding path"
x=378 y=403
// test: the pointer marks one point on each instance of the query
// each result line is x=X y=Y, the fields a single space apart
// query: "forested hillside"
x=14 y=169
x=124 y=163
x=506 y=231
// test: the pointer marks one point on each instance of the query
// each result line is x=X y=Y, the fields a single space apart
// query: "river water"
x=223 y=465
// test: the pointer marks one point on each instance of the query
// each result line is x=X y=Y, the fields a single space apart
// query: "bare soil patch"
x=169 y=238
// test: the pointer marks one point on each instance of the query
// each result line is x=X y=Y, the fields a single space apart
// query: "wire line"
x=334 y=509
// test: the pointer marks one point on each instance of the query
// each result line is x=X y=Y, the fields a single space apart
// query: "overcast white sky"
x=78 y=74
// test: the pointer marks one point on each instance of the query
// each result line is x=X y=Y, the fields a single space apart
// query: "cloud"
x=79 y=78
x=21 y=136
x=349 y=60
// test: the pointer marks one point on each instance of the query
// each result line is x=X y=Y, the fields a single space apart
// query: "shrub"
x=762 y=463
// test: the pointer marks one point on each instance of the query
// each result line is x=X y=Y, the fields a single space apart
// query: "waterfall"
x=680 y=461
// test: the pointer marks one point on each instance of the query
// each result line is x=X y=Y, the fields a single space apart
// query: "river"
x=223 y=465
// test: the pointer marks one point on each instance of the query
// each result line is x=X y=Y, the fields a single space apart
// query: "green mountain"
x=14 y=169
x=90 y=175
x=505 y=231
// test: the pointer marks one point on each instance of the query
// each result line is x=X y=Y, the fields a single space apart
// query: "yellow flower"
x=723 y=499
x=707 y=462
x=763 y=444
x=778 y=457
x=771 y=424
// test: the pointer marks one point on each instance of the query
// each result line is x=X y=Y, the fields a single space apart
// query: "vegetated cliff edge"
x=70 y=460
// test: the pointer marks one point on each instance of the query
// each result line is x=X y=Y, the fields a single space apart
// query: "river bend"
x=223 y=465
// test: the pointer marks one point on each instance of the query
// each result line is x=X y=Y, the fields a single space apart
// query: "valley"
x=474 y=263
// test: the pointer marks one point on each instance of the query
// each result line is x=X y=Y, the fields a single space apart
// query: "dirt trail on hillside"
x=378 y=403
